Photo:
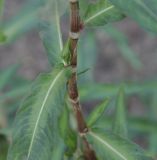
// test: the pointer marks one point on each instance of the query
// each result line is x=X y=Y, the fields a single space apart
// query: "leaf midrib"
x=42 y=107
x=58 y=26
x=108 y=145
x=147 y=9
x=98 y=14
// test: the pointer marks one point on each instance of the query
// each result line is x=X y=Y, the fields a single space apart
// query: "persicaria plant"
x=50 y=123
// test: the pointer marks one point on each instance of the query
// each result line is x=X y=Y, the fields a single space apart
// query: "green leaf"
x=101 y=13
x=1 y=8
x=23 y=21
x=68 y=135
x=51 y=42
x=142 y=11
x=70 y=142
x=83 y=7
x=99 y=91
x=64 y=122
x=7 y=74
x=5 y=131
x=97 y=112
x=66 y=55
x=112 y=147
x=35 y=131
x=153 y=135
x=119 y=124
x=30 y=16
x=3 y=37
x=135 y=124
x=50 y=30
x=58 y=152
x=17 y=92
x=56 y=7
x=125 y=50
x=86 y=50
x=3 y=147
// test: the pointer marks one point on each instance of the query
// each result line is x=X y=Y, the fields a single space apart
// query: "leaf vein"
x=108 y=145
x=42 y=107
x=98 y=14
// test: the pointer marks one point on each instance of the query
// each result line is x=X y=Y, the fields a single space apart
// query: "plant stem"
x=75 y=27
x=72 y=85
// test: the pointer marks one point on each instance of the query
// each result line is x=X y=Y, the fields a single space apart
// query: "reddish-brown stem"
x=89 y=154
x=75 y=27
x=72 y=84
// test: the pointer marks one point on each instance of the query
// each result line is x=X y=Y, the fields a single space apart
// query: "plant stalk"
x=75 y=27
x=72 y=84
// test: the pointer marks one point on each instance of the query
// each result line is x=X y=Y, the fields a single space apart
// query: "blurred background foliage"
x=108 y=56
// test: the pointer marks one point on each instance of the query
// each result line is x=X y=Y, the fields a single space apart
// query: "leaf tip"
x=3 y=37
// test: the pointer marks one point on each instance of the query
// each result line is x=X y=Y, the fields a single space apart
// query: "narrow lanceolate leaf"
x=30 y=17
x=143 y=11
x=17 y=92
x=97 y=112
x=112 y=147
x=23 y=21
x=86 y=50
x=66 y=55
x=153 y=135
x=35 y=131
x=125 y=50
x=96 y=91
x=101 y=13
x=83 y=6
x=119 y=125
x=69 y=136
x=3 y=147
x=58 y=152
x=50 y=29
x=2 y=36
x=6 y=75
x=1 y=8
